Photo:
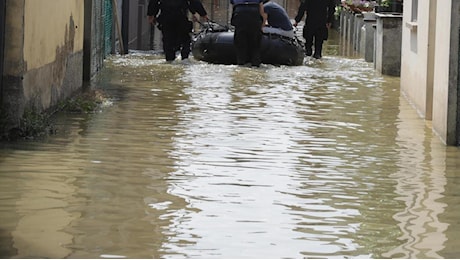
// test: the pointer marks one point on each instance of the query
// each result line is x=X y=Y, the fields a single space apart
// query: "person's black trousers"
x=314 y=36
x=248 y=34
x=176 y=36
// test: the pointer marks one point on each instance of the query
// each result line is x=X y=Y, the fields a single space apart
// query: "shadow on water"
x=6 y=244
x=324 y=160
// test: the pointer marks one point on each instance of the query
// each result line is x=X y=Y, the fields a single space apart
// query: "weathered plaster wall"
x=53 y=50
x=414 y=58
x=51 y=25
x=43 y=54
x=446 y=70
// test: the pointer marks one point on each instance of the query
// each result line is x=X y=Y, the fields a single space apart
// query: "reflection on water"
x=212 y=161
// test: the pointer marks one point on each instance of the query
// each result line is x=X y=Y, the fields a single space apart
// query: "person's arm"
x=262 y=13
x=330 y=13
x=266 y=13
x=300 y=12
x=152 y=10
x=197 y=7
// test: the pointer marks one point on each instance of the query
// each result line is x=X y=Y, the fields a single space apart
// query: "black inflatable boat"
x=214 y=44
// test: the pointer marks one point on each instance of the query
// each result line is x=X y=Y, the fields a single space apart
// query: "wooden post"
x=117 y=23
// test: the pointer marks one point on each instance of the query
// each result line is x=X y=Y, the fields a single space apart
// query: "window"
x=414 y=11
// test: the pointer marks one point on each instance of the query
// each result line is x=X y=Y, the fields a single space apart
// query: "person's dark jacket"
x=319 y=12
x=175 y=8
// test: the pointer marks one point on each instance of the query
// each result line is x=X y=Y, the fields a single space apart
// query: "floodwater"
x=325 y=160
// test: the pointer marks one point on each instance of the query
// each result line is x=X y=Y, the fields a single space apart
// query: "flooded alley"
x=324 y=160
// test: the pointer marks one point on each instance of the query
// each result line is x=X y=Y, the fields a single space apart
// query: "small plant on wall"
x=359 y=6
x=390 y=6
x=385 y=3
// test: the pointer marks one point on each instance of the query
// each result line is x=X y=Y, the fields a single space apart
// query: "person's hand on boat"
x=152 y=20
x=264 y=19
x=194 y=19
x=205 y=18
x=202 y=18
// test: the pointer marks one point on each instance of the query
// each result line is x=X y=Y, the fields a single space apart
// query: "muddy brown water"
x=325 y=160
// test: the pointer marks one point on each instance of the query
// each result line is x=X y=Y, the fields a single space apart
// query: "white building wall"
x=414 y=57
x=430 y=63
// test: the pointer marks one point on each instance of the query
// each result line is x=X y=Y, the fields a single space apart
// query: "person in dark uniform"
x=174 y=24
x=248 y=17
x=319 y=19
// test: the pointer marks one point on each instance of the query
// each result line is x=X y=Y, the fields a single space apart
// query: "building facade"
x=42 y=53
x=49 y=48
x=430 y=63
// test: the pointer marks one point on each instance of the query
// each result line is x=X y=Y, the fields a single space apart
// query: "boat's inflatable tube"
x=214 y=44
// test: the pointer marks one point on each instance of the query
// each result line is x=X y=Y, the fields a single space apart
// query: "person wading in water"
x=319 y=19
x=248 y=17
x=174 y=24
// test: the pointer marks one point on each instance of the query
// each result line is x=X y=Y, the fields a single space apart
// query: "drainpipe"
x=2 y=46
x=87 y=40
x=125 y=24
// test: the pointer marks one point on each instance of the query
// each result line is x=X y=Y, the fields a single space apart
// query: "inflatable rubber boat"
x=214 y=44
